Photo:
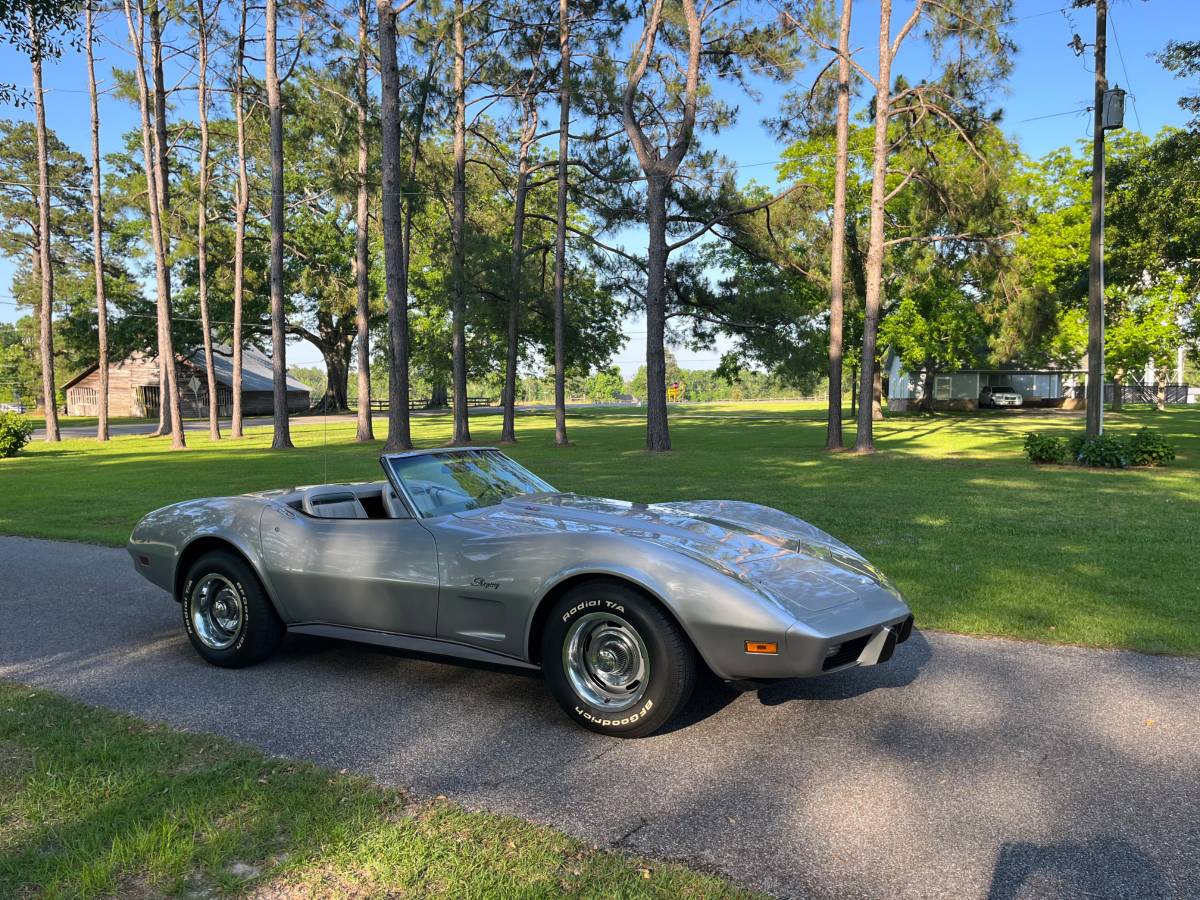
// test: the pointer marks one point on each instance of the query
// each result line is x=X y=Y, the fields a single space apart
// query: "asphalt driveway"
x=963 y=768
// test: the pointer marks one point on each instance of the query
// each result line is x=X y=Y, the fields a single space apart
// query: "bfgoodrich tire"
x=616 y=663
x=228 y=617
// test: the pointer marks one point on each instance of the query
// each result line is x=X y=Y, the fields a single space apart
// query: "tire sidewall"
x=248 y=593
x=658 y=703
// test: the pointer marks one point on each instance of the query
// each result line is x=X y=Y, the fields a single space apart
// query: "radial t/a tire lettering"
x=615 y=661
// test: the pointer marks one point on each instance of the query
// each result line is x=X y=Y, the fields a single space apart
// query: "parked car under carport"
x=996 y=397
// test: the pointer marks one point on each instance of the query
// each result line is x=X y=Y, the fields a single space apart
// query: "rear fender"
x=167 y=541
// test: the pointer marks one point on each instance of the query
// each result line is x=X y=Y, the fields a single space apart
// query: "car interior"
x=369 y=500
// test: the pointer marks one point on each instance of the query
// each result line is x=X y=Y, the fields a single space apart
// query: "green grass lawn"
x=979 y=540
x=93 y=803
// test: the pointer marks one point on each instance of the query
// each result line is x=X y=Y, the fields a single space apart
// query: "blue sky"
x=1048 y=87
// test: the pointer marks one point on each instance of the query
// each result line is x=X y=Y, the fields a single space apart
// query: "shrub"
x=1045 y=448
x=15 y=432
x=1147 y=448
x=1104 y=452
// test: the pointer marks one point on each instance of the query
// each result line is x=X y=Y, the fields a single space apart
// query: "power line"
x=9 y=300
x=1069 y=112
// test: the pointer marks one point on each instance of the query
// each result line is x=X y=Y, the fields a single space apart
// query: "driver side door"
x=376 y=574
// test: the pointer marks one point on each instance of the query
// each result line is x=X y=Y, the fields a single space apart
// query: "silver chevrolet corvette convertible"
x=464 y=553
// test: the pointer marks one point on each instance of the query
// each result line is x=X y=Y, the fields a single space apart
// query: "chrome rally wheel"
x=606 y=661
x=229 y=618
x=616 y=660
x=218 y=613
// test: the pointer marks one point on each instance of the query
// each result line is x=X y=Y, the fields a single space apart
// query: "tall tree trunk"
x=560 y=231
x=508 y=431
x=877 y=393
x=660 y=168
x=853 y=391
x=45 y=267
x=282 y=439
x=166 y=406
x=864 y=441
x=169 y=399
x=361 y=250
x=97 y=238
x=1160 y=385
x=658 y=436
x=239 y=227
x=837 y=257
x=399 y=434
x=926 y=404
x=458 y=311
x=210 y=371
x=337 y=357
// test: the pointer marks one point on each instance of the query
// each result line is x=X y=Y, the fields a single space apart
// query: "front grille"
x=845 y=653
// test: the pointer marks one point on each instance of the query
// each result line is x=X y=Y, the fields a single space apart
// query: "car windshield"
x=1003 y=389
x=458 y=480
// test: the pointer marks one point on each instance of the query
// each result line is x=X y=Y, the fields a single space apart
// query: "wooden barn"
x=133 y=386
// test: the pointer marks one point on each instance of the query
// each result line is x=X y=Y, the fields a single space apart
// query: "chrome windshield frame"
x=386 y=461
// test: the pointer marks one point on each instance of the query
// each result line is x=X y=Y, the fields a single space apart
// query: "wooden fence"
x=381 y=405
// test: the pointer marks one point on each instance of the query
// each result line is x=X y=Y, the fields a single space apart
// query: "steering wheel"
x=441 y=499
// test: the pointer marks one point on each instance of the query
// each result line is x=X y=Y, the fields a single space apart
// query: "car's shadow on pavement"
x=711 y=695
x=311 y=646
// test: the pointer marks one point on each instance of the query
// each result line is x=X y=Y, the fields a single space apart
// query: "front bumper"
x=868 y=649
x=863 y=632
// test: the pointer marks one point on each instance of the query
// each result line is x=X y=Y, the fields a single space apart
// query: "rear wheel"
x=616 y=663
x=228 y=616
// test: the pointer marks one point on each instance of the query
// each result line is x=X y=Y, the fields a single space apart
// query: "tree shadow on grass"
x=151 y=804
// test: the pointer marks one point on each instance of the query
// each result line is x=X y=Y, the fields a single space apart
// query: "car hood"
x=794 y=562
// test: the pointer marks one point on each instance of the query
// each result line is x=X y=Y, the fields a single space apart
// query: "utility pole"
x=1095 y=352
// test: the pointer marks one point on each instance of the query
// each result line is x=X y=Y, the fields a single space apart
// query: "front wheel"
x=616 y=663
x=228 y=616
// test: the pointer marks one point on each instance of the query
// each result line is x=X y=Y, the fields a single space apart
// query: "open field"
x=979 y=540
x=96 y=803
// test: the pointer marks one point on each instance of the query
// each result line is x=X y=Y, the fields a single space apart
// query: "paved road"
x=117 y=429
x=964 y=768
x=127 y=428
x=692 y=411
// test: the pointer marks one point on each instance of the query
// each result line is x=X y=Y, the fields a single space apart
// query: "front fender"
x=717 y=612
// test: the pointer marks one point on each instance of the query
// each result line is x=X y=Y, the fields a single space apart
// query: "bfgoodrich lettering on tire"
x=228 y=617
x=615 y=661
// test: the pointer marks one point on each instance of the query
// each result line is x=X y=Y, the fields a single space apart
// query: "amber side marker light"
x=762 y=647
